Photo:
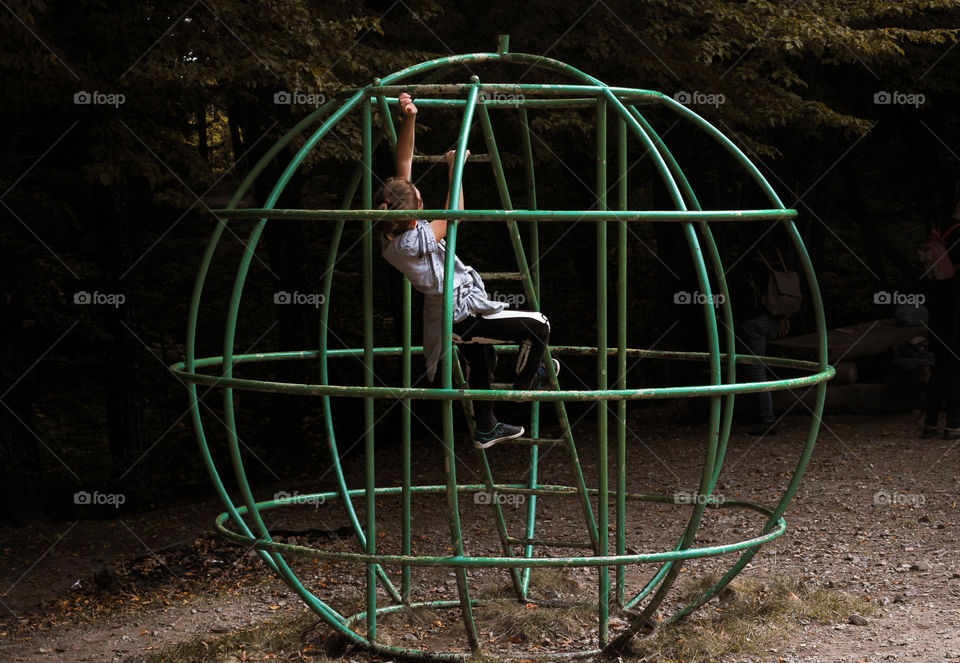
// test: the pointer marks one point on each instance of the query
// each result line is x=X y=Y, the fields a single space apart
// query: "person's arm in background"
x=440 y=225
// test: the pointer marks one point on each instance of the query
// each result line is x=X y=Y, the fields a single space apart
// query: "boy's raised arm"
x=406 y=136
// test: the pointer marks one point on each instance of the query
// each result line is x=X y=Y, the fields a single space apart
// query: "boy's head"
x=397 y=193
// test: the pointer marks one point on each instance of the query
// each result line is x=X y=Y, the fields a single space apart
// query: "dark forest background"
x=849 y=109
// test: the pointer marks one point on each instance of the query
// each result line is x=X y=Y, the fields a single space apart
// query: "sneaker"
x=543 y=377
x=499 y=433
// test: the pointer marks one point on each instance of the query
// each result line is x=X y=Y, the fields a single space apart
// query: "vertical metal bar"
x=534 y=263
x=446 y=372
x=406 y=306
x=603 y=496
x=528 y=160
x=405 y=478
x=621 y=406
x=370 y=452
x=710 y=322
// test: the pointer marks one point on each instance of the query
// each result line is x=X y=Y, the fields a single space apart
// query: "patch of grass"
x=509 y=620
x=528 y=623
x=283 y=640
x=748 y=618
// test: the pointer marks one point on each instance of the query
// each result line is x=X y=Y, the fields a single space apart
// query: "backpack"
x=782 y=296
x=936 y=257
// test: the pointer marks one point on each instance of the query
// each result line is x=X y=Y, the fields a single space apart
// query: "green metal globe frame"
x=243 y=523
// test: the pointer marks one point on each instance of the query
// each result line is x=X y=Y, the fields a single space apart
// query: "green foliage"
x=114 y=196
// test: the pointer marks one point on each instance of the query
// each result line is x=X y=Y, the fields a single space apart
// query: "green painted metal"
x=370 y=453
x=603 y=503
x=621 y=383
x=243 y=522
x=533 y=258
x=505 y=215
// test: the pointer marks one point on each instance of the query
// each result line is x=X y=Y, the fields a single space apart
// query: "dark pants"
x=943 y=390
x=753 y=337
x=475 y=337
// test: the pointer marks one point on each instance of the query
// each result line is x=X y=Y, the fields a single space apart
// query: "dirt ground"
x=876 y=517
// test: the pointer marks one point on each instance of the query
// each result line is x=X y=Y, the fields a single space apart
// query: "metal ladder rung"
x=531 y=441
x=501 y=276
x=548 y=543
x=440 y=158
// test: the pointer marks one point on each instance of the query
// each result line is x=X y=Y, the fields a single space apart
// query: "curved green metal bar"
x=820 y=322
x=500 y=215
x=462 y=561
x=330 y=615
x=194 y=310
x=508 y=395
x=723 y=433
x=283 y=570
x=666 y=580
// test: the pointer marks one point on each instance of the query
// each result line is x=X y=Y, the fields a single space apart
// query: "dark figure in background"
x=943 y=303
x=768 y=292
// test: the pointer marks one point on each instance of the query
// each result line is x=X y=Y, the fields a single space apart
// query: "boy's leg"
x=482 y=359
x=529 y=329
